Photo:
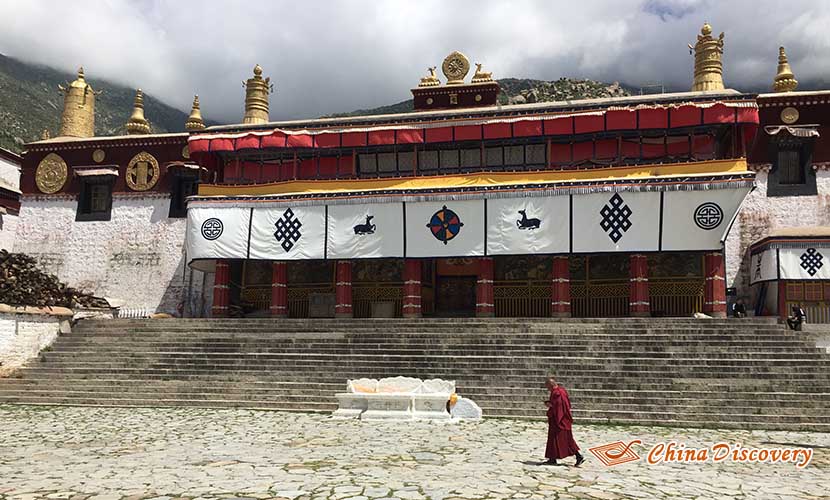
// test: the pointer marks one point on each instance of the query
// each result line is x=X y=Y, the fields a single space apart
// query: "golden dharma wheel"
x=142 y=172
x=455 y=68
x=51 y=174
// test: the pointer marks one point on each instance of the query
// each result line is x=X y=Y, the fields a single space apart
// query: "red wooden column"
x=560 y=288
x=343 y=289
x=714 y=289
x=411 y=288
x=279 y=290
x=221 y=289
x=638 y=302
x=485 y=295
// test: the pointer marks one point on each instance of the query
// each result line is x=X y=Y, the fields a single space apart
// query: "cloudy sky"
x=330 y=56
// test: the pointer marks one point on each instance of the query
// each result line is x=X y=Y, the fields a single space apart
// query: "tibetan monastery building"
x=630 y=206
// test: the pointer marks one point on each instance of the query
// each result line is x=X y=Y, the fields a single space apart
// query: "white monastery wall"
x=8 y=230
x=9 y=179
x=136 y=257
x=9 y=174
x=759 y=215
x=23 y=336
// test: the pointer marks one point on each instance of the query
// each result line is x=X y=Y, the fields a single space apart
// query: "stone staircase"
x=712 y=373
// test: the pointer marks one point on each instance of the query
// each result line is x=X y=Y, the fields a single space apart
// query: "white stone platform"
x=401 y=398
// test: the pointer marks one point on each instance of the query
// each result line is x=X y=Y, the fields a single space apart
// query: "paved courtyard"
x=115 y=453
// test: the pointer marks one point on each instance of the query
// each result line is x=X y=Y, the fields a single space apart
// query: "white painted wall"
x=9 y=174
x=136 y=257
x=760 y=215
x=8 y=229
x=23 y=336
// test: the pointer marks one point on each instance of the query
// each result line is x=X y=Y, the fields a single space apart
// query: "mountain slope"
x=30 y=102
x=522 y=90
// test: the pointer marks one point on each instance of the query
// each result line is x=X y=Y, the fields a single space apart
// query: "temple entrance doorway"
x=455 y=293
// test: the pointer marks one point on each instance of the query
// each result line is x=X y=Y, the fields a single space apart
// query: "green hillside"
x=523 y=90
x=30 y=101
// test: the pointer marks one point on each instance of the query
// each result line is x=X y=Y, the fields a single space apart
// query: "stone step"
x=738 y=374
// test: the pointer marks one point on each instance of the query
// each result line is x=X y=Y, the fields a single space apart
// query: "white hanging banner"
x=217 y=233
x=763 y=266
x=698 y=220
x=616 y=222
x=807 y=263
x=445 y=229
x=365 y=231
x=288 y=233
x=528 y=225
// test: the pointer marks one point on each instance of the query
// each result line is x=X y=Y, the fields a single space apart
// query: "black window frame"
x=777 y=180
x=181 y=179
x=84 y=212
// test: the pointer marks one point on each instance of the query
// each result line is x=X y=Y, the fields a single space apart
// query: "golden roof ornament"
x=45 y=134
x=482 y=76
x=785 y=79
x=256 y=97
x=137 y=124
x=455 y=68
x=78 y=118
x=194 y=121
x=430 y=80
x=708 y=53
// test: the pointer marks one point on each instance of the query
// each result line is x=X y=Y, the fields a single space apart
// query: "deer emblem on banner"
x=525 y=223
x=367 y=228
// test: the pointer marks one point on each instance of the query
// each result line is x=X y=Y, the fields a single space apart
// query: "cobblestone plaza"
x=77 y=453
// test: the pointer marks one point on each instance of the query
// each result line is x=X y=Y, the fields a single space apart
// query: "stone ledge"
x=33 y=310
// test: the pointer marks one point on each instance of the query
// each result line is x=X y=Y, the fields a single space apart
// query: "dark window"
x=184 y=185
x=789 y=167
x=791 y=175
x=95 y=200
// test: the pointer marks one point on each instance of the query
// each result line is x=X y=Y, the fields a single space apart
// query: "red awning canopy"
x=610 y=119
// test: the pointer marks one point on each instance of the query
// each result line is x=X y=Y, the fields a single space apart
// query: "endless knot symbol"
x=708 y=216
x=615 y=218
x=212 y=229
x=288 y=230
x=445 y=224
x=811 y=261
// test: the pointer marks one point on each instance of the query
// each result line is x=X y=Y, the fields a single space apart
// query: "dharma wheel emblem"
x=51 y=174
x=455 y=68
x=142 y=172
x=445 y=224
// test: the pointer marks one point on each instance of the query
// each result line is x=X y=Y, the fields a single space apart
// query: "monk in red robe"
x=561 y=442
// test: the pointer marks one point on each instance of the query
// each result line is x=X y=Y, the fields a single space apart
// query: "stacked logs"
x=23 y=284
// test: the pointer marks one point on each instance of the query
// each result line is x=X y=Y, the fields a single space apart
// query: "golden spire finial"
x=194 y=121
x=137 y=124
x=78 y=117
x=785 y=79
x=256 y=97
x=708 y=53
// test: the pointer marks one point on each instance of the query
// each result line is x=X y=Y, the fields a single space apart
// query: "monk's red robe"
x=561 y=442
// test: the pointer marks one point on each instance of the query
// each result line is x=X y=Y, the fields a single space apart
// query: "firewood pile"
x=23 y=284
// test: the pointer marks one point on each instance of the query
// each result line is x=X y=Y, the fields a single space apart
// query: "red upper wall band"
x=643 y=118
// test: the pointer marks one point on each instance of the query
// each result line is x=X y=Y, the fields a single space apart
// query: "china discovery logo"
x=617 y=453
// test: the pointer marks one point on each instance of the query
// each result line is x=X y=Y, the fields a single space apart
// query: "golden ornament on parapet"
x=51 y=174
x=789 y=115
x=186 y=152
x=455 y=68
x=98 y=155
x=142 y=172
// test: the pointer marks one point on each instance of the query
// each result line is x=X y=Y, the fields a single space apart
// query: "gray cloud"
x=339 y=55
